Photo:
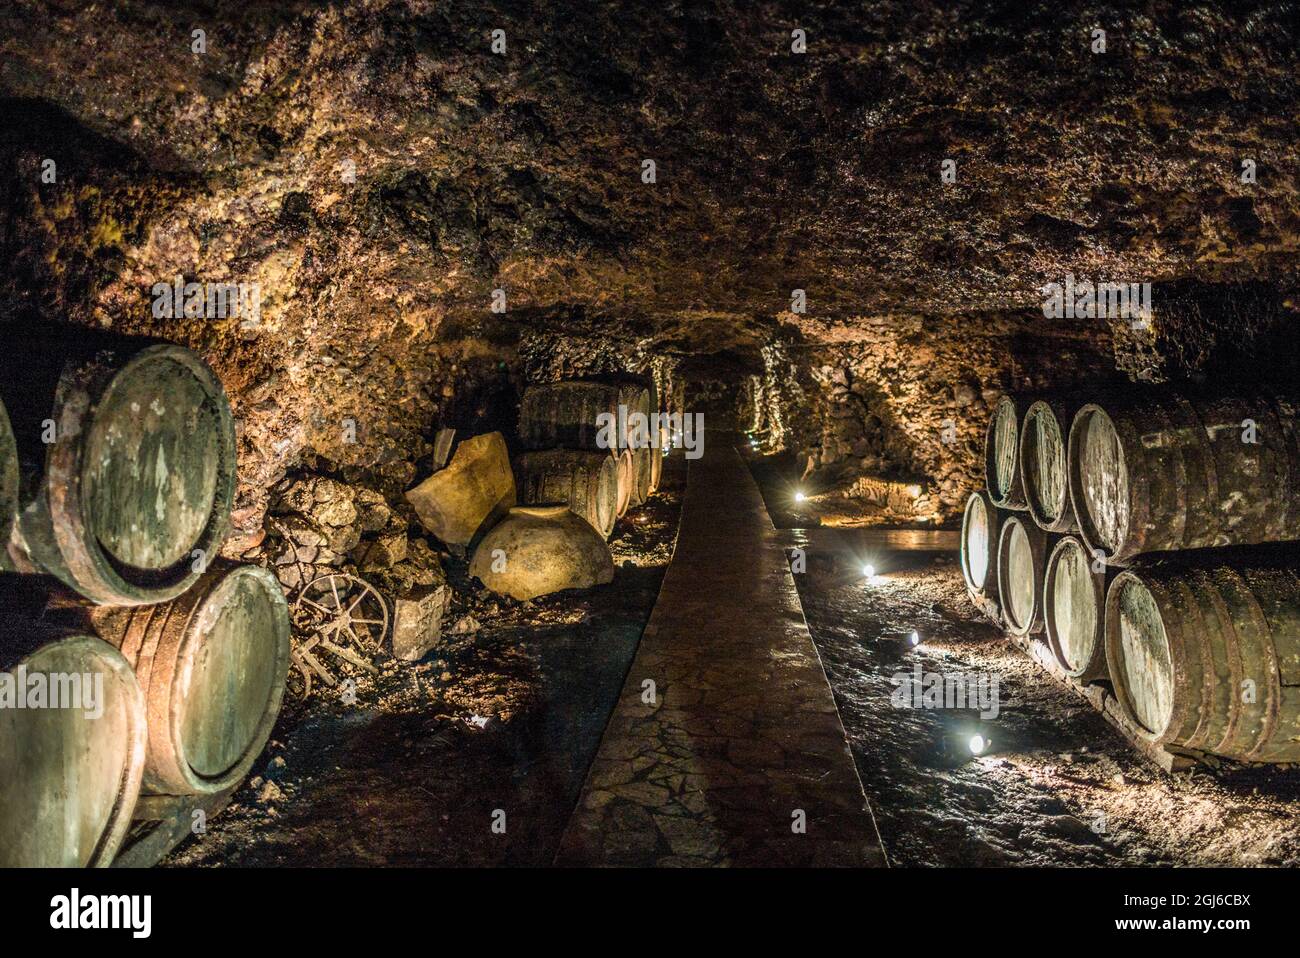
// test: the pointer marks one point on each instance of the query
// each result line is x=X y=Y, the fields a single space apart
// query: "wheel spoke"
x=315 y=605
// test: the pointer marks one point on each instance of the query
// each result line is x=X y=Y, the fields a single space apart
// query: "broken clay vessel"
x=537 y=550
x=466 y=498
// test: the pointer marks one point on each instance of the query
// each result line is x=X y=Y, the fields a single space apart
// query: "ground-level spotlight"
x=914 y=637
x=799 y=497
x=978 y=744
x=869 y=571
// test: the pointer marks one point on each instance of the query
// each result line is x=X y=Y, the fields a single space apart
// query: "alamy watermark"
x=1083 y=299
x=636 y=430
x=179 y=299
x=73 y=911
x=21 y=689
x=937 y=690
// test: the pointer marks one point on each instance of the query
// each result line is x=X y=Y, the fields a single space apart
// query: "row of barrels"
x=573 y=455
x=1137 y=474
x=1202 y=652
x=166 y=673
x=1096 y=537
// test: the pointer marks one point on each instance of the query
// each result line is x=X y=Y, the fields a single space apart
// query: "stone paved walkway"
x=742 y=740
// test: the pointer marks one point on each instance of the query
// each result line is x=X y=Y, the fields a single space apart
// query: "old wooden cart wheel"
x=340 y=614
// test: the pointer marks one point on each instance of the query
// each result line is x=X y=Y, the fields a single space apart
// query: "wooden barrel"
x=132 y=498
x=642 y=468
x=1074 y=611
x=657 y=462
x=1208 y=658
x=212 y=664
x=980 y=526
x=652 y=390
x=634 y=397
x=638 y=391
x=1175 y=474
x=1022 y=559
x=661 y=435
x=587 y=482
x=69 y=776
x=1043 y=472
x=626 y=472
x=567 y=414
x=8 y=481
x=1002 y=456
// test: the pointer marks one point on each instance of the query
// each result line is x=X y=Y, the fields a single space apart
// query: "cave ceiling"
x=774 y=171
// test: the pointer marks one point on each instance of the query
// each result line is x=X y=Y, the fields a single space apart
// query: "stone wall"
x=380 y=174
x=907 y=398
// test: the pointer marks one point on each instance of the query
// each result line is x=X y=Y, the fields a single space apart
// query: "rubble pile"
x=318 y=525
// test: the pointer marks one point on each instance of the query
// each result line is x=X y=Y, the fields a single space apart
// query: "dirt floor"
x=507 y=719
x=417 y=770
x=1058 y=787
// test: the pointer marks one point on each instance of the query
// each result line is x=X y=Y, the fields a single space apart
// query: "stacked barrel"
x=587 y=449
x=1132 y=533
x=117 y=476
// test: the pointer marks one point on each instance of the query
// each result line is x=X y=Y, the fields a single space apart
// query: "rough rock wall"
x=1229 y=332
x=907 y=398
x=379 y=171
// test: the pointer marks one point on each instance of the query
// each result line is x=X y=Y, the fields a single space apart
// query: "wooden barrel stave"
x=585 y=481
x=1253 y=654
x=657 y=453
x=1200 y=723
x=657 y=463
x=68 y=782
x=1178 y=468
x=1266 y=603
x=635 y=398
x=1288 y=414
x=641 y=470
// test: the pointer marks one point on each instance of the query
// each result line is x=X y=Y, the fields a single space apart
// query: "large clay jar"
x=536 y=550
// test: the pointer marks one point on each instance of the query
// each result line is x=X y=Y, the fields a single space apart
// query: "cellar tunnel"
x=958 y=526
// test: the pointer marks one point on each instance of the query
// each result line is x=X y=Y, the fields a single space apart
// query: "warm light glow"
x=869 y=571
x=799 y=497
x=978 y=744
